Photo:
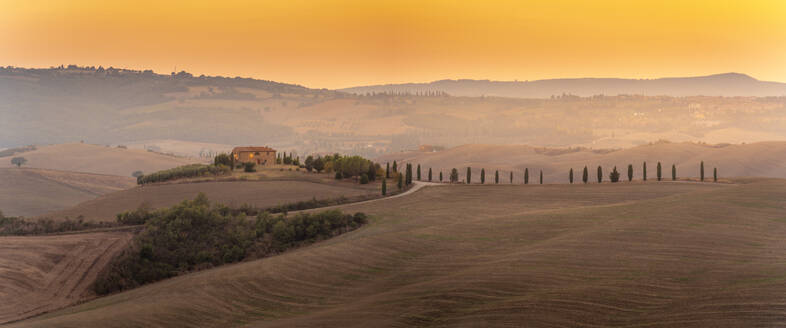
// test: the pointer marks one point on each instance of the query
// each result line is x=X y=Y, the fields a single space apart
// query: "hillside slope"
x=666 y=254
x=45 y=273
x=80 y=157
x=261 y=194
x=763 y=159
x=31 y=192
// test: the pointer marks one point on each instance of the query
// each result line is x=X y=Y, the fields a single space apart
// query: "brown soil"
x=660 y=254
x=44 y=273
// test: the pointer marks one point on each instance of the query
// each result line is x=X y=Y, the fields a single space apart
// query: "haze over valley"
x=349 y=163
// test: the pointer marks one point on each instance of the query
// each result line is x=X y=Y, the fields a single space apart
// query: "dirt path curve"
x=416 y=185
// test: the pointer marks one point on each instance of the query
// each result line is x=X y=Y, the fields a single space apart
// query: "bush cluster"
x=195 y=235
x=186 y=171
x=16 y=226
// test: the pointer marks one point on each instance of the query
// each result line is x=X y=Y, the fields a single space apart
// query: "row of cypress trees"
x=614 y=176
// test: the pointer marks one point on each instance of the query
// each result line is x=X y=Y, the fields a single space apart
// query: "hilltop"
x=727 y=84
x=762 y=159
x=97 y=159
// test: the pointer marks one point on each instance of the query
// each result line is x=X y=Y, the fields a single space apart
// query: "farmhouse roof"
x=251 y=148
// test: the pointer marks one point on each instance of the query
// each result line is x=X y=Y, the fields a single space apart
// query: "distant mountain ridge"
x=726 y=84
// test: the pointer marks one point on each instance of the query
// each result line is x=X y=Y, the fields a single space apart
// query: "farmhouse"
x=256 y=155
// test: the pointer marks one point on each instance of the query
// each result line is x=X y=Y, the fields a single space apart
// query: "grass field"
x=31 y=192
x=656 y=254
x=262 y=193
x=44 y=273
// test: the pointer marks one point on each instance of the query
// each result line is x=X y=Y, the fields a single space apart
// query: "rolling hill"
x=97 y=159
x=187 y=114
x=763 y=159
x=662 y=254
x=31 y=192
x=262 y=194
x=727 y=84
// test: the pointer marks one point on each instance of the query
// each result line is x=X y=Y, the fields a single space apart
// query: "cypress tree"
x=409 y=174
x=570 y=176
x=372 y=172
x=630 y=172
x=585 y=175
x=440 y=176
x=469 y=175
x=658 y=173
x=673 y=172
x=526 y=176
x=429 y=174
x=482 y=176
x=418 y=172
x=496 y=176
x=511 y=177
x=715 y=174
x=395 y=167
x=600 y=174
x=454 y=175
x=541 y=176
x=400 y=182
x=384 y=187
x=644 y=173
x=387 y=170
x=701 y=171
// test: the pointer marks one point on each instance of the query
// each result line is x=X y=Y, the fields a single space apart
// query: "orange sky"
x=336 y=44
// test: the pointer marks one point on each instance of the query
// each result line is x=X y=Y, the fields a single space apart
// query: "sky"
x=343 y=43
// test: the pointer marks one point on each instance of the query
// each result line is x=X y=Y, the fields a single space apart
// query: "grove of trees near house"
x=186 y=171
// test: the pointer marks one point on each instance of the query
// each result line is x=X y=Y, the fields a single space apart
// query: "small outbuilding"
x=256 y=155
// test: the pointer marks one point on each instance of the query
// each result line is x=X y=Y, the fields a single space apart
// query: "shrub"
x=249 y=167
x=614 y=176
x=364 y=179
x=138 y=216
x=186 y=171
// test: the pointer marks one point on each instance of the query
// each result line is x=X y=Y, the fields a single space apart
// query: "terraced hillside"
x=656 y=254
x=44 y=273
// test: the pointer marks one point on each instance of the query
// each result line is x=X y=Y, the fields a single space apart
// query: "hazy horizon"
x=347 y=43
